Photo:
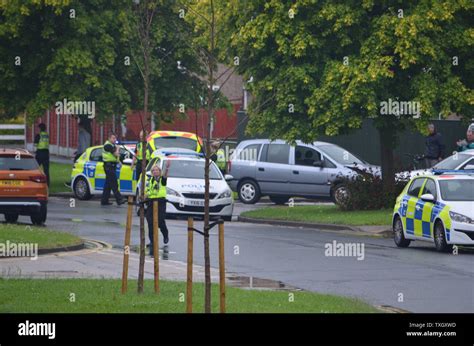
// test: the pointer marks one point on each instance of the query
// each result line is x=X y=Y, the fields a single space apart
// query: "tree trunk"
x=141 y=268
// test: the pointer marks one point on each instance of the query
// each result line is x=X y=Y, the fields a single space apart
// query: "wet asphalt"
x=416 y=279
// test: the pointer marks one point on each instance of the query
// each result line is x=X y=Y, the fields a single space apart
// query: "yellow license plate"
x=11 y=183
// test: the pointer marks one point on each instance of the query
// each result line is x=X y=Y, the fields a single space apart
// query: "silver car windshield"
x=457 y=190
x=452 y=162
x=340 y=155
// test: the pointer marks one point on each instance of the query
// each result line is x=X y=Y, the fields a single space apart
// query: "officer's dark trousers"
x=42 y=157
x=138 y=169
x=161 y=218
x=110 y=183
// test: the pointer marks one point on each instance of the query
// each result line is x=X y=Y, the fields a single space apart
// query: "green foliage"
x=88 y=51
x=366 y=192
x=335 y=61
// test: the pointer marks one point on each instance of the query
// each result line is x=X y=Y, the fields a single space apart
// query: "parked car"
x=263 y=167
x=185 y=185
x=23 y=187
x=463 y=161
x=438 y=208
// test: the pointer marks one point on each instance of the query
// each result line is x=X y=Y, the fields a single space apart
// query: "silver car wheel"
x=247 y=191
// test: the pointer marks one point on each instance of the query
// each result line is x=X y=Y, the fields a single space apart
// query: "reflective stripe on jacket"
x=43 y=141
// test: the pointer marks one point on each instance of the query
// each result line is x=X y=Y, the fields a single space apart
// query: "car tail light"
x=38 y=178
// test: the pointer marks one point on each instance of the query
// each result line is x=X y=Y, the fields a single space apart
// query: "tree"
x=151 y=28
x=204 y=18
x=328 y=65
x=65 y=50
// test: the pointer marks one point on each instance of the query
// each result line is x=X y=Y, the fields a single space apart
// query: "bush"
x=364 y=191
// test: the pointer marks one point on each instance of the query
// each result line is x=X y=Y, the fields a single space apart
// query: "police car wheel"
x=81 y=189
x=249 y=192
x=440 y=238
x=398 y=236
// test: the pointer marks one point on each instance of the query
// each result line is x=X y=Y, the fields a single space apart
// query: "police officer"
x=42 y=149
x=138 y=159
x=155 y=190
x=218 y=156
x=110 y=158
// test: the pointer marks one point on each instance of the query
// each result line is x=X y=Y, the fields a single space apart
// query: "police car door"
x=125 y=173
x=430 y=209
x=94 y=169
x=414 y=207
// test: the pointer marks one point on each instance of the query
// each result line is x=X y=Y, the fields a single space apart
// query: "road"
x=416 y=279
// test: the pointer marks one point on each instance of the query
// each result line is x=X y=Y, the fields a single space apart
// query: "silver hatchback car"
x=262 y=167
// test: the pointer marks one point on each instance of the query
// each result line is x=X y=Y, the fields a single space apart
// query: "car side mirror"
x=127 y=162
x=427 y=197
x=469 y=168
x=318 y=164
x=228 y=177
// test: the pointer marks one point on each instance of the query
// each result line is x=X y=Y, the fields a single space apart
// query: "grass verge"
x=103 y=295
x=59 y=173
x=329 y=214
x=45 y=238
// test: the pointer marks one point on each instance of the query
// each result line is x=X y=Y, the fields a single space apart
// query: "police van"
x=185 y=185
x=438 y=208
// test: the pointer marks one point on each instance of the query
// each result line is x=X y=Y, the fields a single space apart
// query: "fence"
x=13 y=137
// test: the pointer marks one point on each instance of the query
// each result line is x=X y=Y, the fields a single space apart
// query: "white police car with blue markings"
x=185 y=185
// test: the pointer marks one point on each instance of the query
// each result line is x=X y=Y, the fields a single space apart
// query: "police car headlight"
x=170 y=191
x=226 y=194
x=460 y=218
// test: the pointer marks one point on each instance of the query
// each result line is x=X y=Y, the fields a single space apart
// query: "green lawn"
x=94 y=295
x=59 y=173
x=45 y=238
x=329 y=214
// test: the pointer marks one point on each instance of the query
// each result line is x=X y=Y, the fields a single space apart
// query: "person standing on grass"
x=155 y=190
x=42 y=149
x=434 y=147
x=84 y=140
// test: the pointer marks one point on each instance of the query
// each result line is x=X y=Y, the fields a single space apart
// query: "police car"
x=438 y=208
x=88 y=175
x=185 y=185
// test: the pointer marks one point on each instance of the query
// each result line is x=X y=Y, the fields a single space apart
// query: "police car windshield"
x=175 y=142
x=460 y=190
x=340 y=155
x=452 y=162
x=191 y=169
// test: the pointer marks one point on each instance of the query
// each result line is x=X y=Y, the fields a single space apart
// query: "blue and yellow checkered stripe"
x=418 y=216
